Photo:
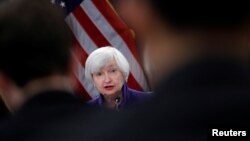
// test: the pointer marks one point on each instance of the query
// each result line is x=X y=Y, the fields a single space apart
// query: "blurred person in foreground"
x=200 y=55
x=35 y=70
x=4 y=112
x=108 y=69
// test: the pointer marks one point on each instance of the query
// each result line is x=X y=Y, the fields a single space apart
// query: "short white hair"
x=100 y=57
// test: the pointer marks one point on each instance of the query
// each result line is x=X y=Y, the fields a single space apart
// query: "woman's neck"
x=111 y=101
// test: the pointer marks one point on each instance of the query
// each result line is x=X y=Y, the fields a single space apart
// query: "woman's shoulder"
x=133 y=91
x=138 y=97
x=95 y=101
x=139 y=94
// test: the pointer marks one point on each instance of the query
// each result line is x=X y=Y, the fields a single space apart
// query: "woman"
x=108 y=69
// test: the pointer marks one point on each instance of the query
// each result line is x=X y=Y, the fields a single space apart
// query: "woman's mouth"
x=108 y=88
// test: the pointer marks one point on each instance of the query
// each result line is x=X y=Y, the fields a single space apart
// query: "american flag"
x=94 y=24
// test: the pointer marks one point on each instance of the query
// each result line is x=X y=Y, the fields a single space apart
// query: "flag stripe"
x=80 y=34
x=81 y=55
x=88 y=86
x=133 y=83
x=90 y=28
x=79 y=52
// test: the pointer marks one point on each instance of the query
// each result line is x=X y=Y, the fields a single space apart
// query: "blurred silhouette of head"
x=184 y=15
x=34 y=41
x=34 y=44
x=177 y=31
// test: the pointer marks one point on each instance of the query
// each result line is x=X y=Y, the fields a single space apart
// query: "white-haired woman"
x=108 y=69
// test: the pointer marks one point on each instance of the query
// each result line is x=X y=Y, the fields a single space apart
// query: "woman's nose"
x=107 y=78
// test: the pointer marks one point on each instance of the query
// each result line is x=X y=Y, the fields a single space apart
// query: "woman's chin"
x=109 y=93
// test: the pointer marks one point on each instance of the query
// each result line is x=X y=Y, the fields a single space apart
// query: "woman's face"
x=109 y=80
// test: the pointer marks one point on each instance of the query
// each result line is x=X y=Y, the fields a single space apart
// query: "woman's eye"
x=98 y=74
x=113 y=70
